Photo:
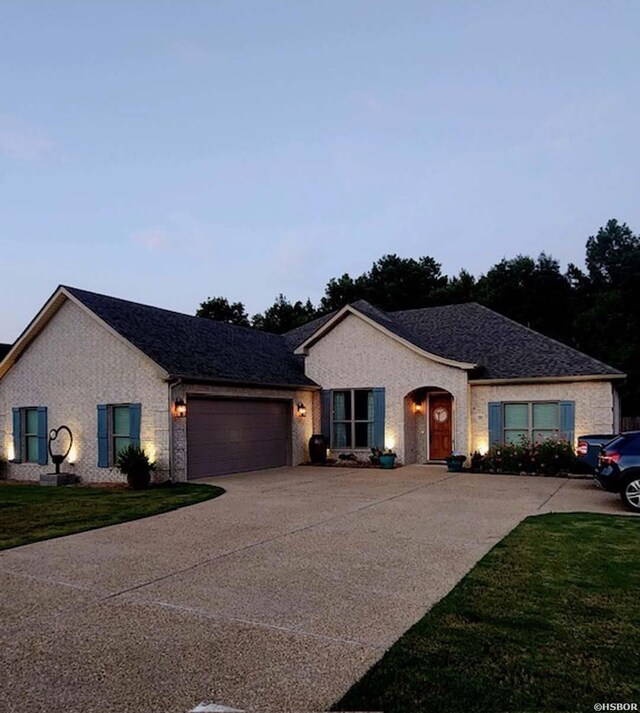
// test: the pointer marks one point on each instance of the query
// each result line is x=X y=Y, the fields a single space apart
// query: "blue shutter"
x=495 y=423
x=134 y=423
x=17 y=435
x=325 y=414
x=43 y=436
x=567 y=420
x=378 y=418
x=103 y=437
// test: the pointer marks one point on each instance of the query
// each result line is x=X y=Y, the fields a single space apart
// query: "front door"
x=439 y=426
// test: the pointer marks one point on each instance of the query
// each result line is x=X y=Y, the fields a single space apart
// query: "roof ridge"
x=449 y=306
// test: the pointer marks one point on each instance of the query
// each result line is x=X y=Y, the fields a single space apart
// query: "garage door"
x=231 y=436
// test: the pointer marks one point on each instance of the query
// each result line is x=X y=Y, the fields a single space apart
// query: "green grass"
x=29 y=513
x=549 y=620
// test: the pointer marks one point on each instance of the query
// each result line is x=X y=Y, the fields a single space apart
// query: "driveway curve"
x=276 y=596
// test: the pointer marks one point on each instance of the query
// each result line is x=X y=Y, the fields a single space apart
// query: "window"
x=353 y=419
x=30 y=437
x=535 y=421
x=118 y=427
x=30 y=434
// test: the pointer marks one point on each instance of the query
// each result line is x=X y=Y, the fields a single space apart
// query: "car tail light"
x=583 y=448
x=609 y=458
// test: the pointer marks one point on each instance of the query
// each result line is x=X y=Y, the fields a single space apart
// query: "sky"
x=165 y=152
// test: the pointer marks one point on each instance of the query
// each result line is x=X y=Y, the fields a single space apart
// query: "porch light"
x=180 y=408
x=302 y=409
x=417 y=408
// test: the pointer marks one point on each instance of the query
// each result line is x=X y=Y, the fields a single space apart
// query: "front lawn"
x=29 y=513
x=549 y=621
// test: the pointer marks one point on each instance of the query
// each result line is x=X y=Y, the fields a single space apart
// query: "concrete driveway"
x=274 y=597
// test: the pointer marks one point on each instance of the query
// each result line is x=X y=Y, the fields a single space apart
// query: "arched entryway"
x=429 y=424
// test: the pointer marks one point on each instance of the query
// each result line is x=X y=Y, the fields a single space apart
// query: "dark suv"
x=618 y=469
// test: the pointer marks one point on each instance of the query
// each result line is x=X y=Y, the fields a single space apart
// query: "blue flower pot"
x=387 y=460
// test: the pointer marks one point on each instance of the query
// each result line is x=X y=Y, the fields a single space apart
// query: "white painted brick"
x=357 y=355
x=75 y=364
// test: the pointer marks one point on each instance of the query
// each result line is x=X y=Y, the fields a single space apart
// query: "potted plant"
x=387 y=459
x=477 y=462
x=454 y=462
x=133 y=462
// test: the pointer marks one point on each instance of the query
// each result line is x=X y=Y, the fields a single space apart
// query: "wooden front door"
x=439 y=426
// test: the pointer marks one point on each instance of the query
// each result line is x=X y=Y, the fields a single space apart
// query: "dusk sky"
x=169 y=151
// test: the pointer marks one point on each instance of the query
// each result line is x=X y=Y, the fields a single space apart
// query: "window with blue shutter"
x=43 y=436
x=30 y=435
x=135 y=416
x=495 y=423
x=118 y=428
x=356 y=418
x=103 y=436
x=567 y=420
x=325 y=414
x=17 y=435
x=378 y=418
x=535 y=421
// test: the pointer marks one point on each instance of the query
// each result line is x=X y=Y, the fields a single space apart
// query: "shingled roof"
x=502 y=348
x=199 y=348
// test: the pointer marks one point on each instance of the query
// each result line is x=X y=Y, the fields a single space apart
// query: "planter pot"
x=387 y=460
x=454 y=465
x=139 y=480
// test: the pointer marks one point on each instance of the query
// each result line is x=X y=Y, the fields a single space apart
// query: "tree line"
x=596 y=310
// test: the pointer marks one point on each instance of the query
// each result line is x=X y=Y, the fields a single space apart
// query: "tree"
x=392 y=283
x=459 y=289
x=283 y=316
x=608 y=322
x=532 y=292
x=341 y=291
x=613 y=255
x=220 y=309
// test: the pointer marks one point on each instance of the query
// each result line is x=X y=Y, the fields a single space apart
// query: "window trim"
x=352 y=421
x=530 y=428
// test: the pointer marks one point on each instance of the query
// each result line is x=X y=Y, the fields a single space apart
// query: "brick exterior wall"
x=357 y=355
x=302 y=427
x=596 y=407
x=73 y=365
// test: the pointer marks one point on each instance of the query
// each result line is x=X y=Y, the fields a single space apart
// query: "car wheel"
x=630 y=493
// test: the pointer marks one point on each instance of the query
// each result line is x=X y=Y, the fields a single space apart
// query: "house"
x=206 y=398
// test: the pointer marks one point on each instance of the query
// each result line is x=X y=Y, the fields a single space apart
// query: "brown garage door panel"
x=232 y=436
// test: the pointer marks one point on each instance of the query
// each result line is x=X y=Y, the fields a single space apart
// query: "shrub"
x=547 y=457
x=133 y=462
x=3 y=468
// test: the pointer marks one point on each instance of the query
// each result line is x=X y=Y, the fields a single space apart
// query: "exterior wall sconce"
x=417 y=408
x=180 y=408
x=302 y=409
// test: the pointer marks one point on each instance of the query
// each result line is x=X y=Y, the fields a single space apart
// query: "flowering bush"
x=547 y=457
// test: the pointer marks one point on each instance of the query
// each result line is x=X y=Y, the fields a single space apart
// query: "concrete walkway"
x=274 y=597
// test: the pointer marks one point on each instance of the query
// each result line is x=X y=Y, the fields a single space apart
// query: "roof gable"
x=199 y=348
x=471 y=334
x=383 y=322
x=179 y=345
